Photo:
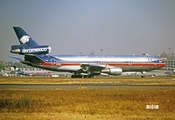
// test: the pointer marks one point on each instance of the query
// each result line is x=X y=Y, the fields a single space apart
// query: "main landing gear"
x=82 y=76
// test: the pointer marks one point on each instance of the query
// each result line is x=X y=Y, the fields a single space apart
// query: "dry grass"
x=136 y=80
x=89 y=104
x=80 y=104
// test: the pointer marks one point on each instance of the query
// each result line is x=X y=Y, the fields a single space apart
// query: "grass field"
x=135 y=80
x=87 y=104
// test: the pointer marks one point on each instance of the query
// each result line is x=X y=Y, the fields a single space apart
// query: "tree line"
x=4 y=65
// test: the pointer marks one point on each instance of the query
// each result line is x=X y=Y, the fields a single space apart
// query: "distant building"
x=146 y=54
x=169 y=59
x=164 y=56
x=171 y=56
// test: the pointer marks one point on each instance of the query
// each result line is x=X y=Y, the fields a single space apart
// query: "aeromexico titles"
x=80 y=65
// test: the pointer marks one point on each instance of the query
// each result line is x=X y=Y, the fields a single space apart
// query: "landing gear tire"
x=88 y=76
x=142 y=75
x=82 y=76
x=76 y=76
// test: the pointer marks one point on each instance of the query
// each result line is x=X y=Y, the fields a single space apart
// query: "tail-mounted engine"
x=22 y=49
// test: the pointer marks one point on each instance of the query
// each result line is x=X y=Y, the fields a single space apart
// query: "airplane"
x=31 y=72
x=80 y=66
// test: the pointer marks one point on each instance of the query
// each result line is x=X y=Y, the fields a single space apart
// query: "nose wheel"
x=142 y=75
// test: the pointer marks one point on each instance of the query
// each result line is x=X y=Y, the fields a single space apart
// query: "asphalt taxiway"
x=83 y=85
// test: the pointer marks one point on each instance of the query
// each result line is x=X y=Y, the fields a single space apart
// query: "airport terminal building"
x=169 y=59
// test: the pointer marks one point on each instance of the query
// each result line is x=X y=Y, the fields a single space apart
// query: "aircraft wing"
x=91 y=67
x=97 y=69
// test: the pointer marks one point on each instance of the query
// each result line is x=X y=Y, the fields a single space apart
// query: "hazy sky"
x=75 y=26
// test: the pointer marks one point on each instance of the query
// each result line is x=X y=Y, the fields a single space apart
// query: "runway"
x=86 y=85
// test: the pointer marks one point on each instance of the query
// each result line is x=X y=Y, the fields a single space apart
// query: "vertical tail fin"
x=24 y=37
x=28 y=45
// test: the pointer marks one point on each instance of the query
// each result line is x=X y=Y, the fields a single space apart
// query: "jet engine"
x=22 y=49
x=113 y=71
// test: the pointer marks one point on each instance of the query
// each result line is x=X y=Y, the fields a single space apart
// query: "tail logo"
x=24 y=39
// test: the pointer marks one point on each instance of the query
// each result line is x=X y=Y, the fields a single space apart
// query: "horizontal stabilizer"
x=14 y=57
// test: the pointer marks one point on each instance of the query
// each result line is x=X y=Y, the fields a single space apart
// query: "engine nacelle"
x=113 y=71
x=22 y=50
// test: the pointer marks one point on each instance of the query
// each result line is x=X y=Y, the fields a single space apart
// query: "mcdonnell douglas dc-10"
x=80 y=65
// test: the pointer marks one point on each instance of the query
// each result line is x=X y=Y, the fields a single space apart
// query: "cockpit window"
x=161 y=61
x=158 y=61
